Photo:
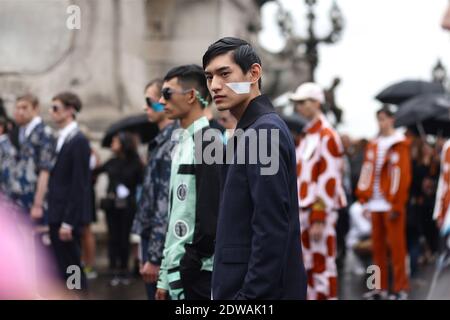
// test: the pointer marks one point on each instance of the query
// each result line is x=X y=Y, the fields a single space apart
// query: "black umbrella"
x=402 y=91
x=294 y=122
x=138 y=124
x=425 y=114
x=438 y=126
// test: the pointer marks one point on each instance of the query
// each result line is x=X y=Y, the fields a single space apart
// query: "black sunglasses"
x=167 y=92
x=55 y=108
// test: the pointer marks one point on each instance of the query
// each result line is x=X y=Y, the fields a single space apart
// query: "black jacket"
x=69 y=199
x=258 y=252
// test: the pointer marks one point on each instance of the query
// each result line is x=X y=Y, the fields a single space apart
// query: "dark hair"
x=157 y=82
x=388 y=110
x=31 y=98
x=243 y=53
x=4 y=124
x=69 y=99
x=128 y=145
x=190 y=76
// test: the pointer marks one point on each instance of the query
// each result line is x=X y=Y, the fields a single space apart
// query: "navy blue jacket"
x=69 y=198
x=258 y=252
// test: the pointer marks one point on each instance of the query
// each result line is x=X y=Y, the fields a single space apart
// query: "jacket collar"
x=31 y=126
x=395 y=138
x=316 y=125
x=164 y=135
x=258 y=107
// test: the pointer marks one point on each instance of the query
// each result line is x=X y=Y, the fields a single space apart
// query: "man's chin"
x=223 y=107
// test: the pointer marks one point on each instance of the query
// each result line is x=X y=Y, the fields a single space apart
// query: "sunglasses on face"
x=55 y=108
x=156 y=106
x=168 y=92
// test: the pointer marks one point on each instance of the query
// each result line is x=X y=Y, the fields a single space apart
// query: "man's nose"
x=215 y=84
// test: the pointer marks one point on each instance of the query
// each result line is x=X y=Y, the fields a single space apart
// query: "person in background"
x=442 y=207
x=124 y=171
x=151 y=217
x=88 y=243
x=69 y=198
x=383 y=188
x=7 y=153
x=446 y=19
x=320 y=167
x=194 y=191
x=34 y=160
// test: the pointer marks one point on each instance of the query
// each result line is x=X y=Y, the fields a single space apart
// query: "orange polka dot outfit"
x=319 y=174
x=442 y=207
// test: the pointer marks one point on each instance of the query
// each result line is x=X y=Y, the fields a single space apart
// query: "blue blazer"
x=69 y=198
x=258 y=252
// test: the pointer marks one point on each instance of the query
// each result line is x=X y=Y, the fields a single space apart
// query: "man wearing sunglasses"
x=194 y=191
x=69 y=199
x=152 y=214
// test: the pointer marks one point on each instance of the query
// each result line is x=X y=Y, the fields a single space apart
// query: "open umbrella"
x=400 y=92
x=138 y=124
x=426 y=114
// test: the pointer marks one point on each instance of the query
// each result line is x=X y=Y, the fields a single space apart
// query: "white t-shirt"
x=378 y=202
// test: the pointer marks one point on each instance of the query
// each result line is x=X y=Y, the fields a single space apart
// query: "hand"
x=393 y=215
x=65 y=234
x=37 y=212
x=161 y=294
x=316 y=231
x=367 y=214
x=150 y=272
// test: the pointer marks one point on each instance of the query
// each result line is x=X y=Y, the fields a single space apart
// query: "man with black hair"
x=193 y=192
x=257 y=252
x=69 y=195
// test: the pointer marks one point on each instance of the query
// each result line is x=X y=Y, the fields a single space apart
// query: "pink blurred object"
x=23 y=268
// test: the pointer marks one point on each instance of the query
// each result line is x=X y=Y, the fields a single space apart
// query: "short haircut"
x=30 y=98
x=158 y=82
x=69 y=99
x=190 y=76
x=388 y=110
x=243 y=53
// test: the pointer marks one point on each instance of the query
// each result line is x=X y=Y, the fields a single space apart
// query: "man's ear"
x=191 y=97
x=255 y=72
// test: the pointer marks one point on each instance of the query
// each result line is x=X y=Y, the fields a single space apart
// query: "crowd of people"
x=229 y=230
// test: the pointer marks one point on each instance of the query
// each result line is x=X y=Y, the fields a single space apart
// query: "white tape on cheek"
x=239 y=87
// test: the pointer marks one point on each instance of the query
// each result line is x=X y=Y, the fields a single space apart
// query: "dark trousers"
x=67 y=253
x=119 y=228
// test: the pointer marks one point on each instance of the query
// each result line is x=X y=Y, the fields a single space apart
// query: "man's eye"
x=208 y=77
x=225 y=74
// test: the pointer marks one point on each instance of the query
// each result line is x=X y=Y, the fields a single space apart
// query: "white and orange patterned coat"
x=395 y=176
x=319 y=169
x=442 y=207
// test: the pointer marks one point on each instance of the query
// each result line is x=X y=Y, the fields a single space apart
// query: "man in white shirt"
x=69 y=197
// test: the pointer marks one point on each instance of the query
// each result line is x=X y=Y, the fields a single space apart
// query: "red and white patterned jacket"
x=320 y=167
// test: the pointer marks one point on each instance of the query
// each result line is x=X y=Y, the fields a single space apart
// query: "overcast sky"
x=384 y=41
